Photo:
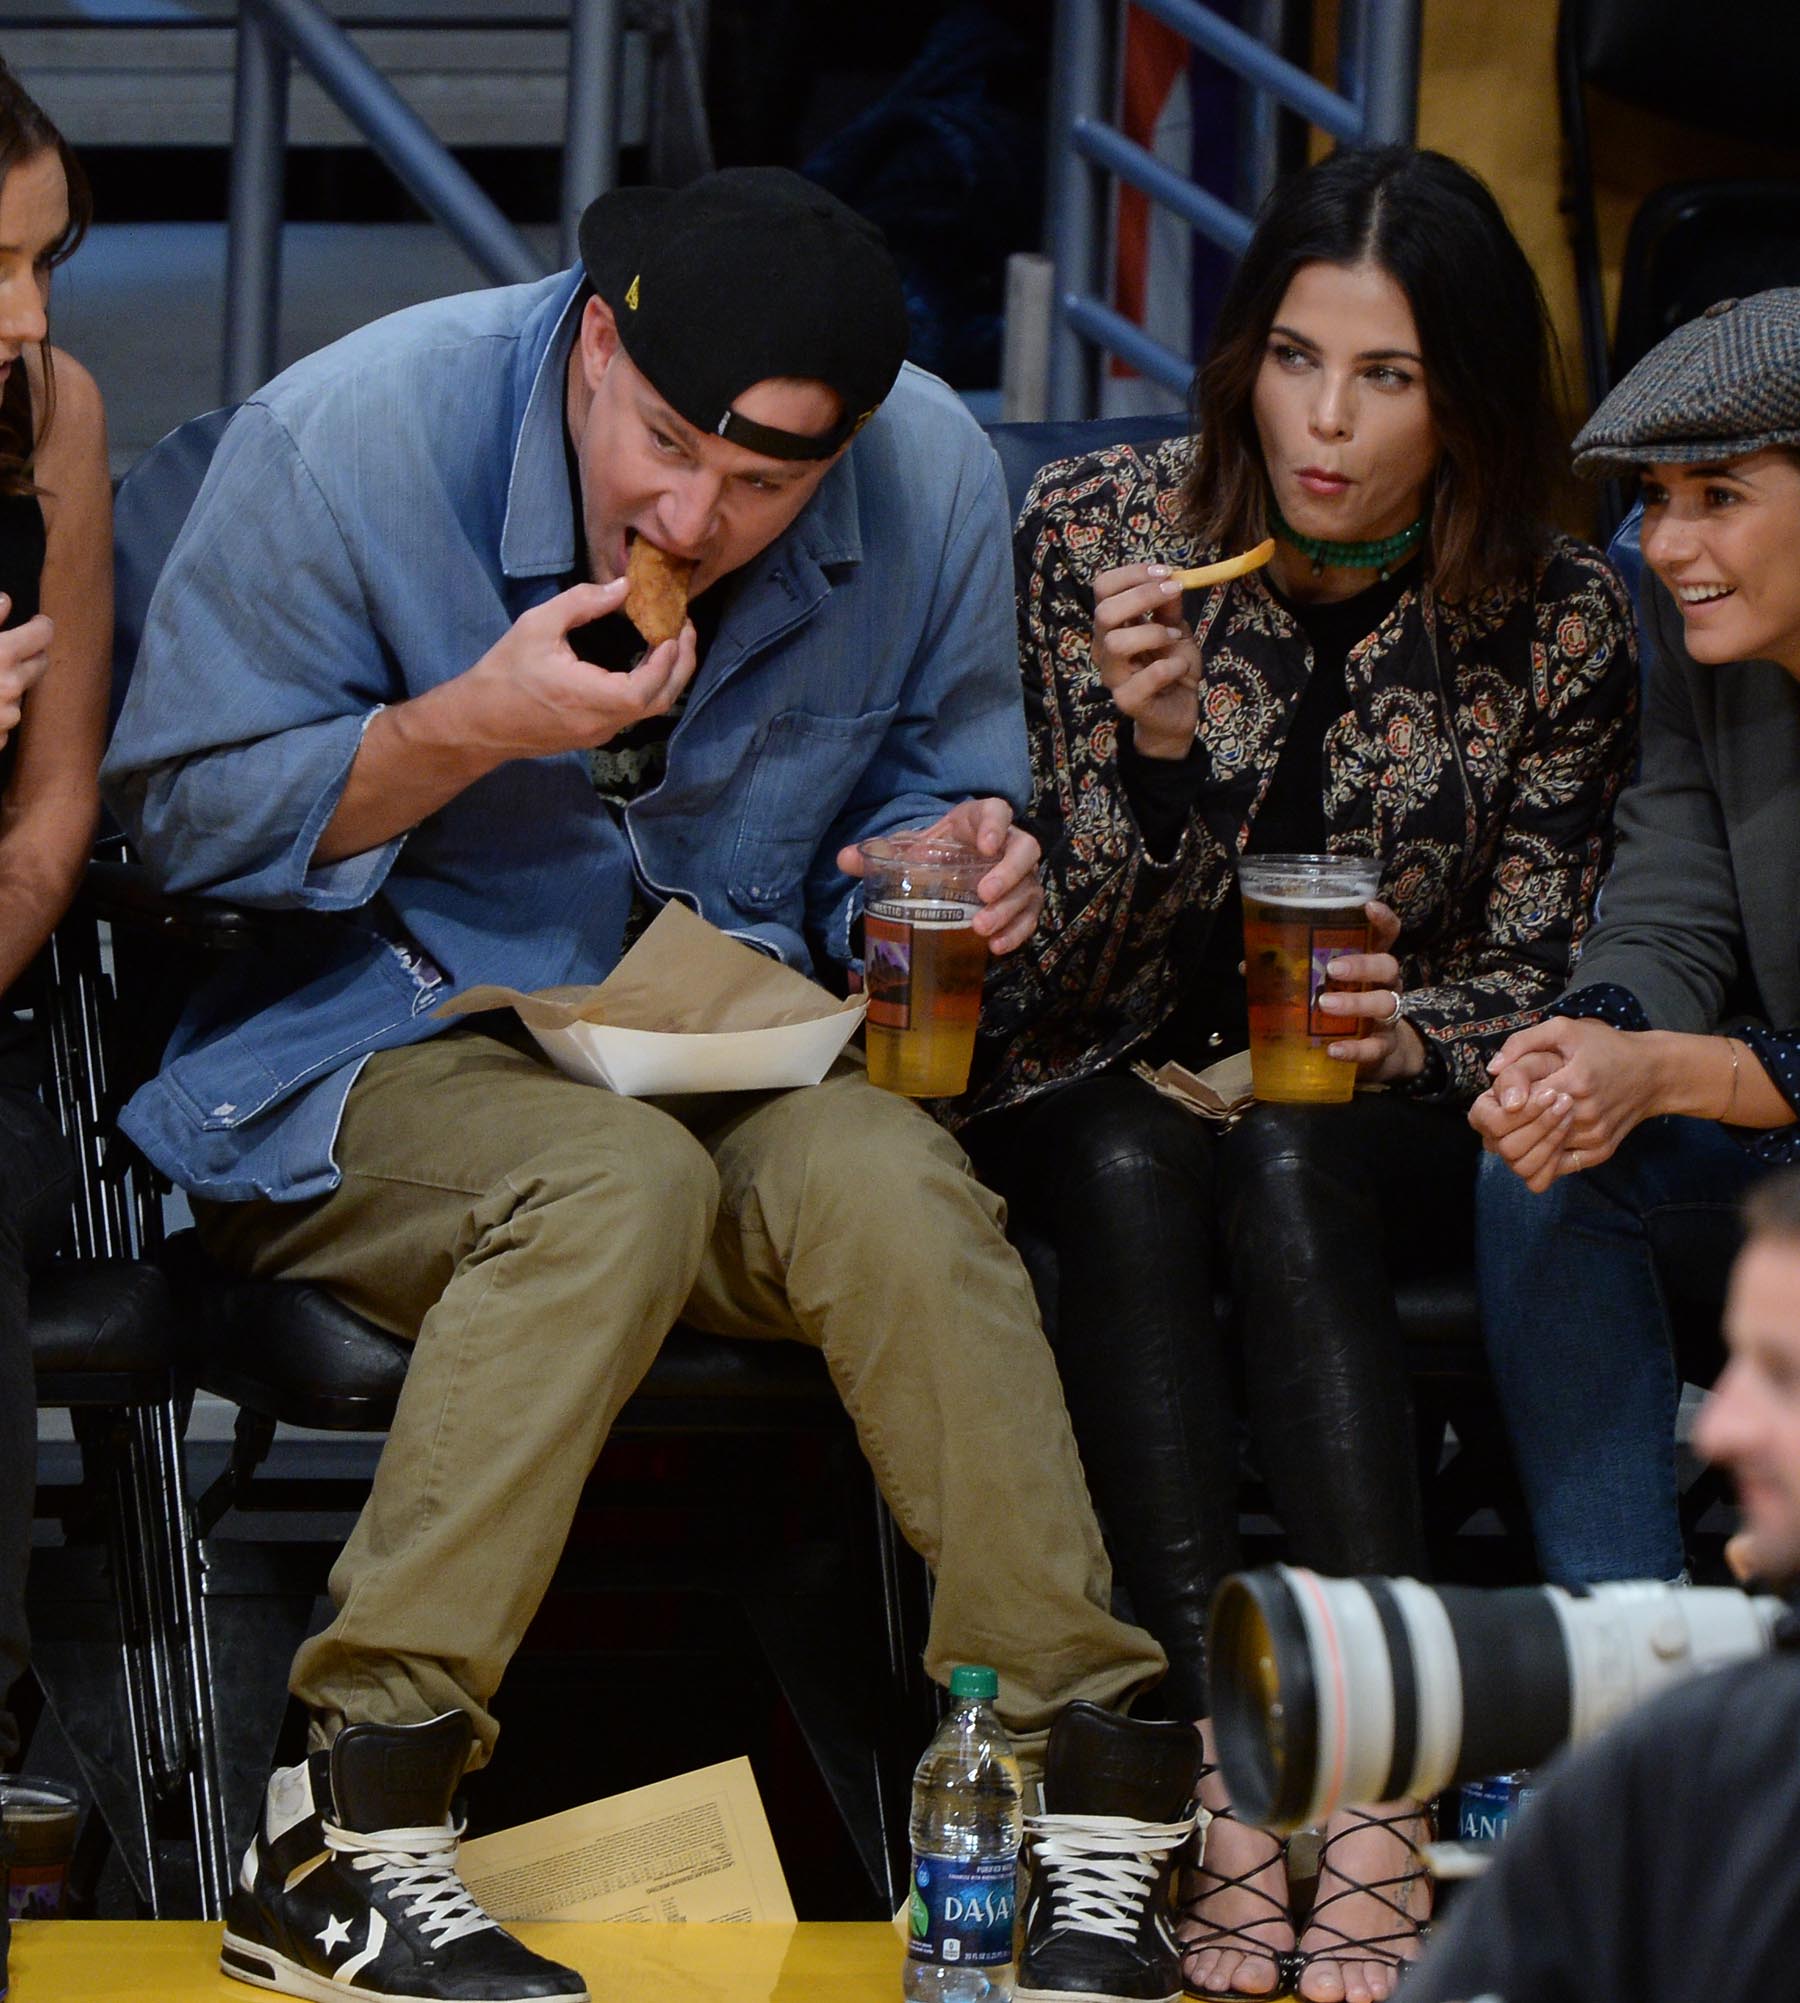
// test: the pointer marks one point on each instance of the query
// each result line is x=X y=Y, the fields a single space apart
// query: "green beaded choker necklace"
x=1380 y=557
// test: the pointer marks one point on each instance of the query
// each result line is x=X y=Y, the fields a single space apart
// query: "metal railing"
x=164 y=1650
x=1377 y=101
x=275 y=34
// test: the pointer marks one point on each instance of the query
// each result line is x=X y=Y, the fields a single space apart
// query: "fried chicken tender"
x=656 y=593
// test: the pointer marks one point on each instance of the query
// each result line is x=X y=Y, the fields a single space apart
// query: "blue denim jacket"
x=372 y=523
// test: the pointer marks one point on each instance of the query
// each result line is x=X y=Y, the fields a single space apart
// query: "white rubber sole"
x=1099 y=1996
x=249 y=1961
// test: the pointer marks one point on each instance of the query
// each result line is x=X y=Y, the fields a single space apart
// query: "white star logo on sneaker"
x=336 y=1934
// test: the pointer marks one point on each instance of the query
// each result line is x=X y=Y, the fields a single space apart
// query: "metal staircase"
x=1376 y=100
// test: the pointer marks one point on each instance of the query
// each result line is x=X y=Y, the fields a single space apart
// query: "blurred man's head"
x=1751 y=1422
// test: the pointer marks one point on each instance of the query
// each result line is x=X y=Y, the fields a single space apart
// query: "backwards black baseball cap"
x=744 y=275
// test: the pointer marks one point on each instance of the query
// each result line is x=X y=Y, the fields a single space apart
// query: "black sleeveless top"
x=21 y=566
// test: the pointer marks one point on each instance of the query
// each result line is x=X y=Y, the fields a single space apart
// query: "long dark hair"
x=1492 y=366
x=25 y=132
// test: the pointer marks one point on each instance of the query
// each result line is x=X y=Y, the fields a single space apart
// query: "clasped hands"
x=1566 y=1092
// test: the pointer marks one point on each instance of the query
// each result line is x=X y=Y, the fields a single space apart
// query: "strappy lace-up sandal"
x=1246 y=1938
x=1395 y=1893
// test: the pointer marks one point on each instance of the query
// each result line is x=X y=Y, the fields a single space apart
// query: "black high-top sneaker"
x=350 y=1887
x=1118 y=1806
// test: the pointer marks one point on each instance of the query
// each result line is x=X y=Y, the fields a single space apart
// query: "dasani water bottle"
x=965 y=1840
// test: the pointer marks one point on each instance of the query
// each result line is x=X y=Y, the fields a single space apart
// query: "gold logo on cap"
x=631 y=294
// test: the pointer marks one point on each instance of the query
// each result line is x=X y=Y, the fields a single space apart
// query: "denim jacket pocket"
x=227 y=1074
x=806 y=767
x=222 y=1085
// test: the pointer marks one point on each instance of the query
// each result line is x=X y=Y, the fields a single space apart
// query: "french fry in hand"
x=1227 y=568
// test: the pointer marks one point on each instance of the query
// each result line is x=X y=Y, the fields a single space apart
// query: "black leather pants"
x=1304 y=1215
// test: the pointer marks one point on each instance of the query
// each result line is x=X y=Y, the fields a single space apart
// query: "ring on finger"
x=1393 y=1015
x=1575 y=1159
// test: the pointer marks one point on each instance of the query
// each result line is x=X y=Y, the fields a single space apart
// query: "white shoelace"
x=419 y=1864
x=1099 y=1867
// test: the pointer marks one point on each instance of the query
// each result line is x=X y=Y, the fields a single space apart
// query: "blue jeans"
x=1577 y=1287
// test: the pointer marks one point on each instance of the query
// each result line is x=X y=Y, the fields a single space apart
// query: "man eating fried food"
x=387 y=680
x=656 y=590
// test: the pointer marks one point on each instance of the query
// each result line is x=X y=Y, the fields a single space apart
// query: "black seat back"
x=1731 y=74
x=1692 y=242
x=1696 y=241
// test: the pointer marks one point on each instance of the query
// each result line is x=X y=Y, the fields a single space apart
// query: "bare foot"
x=1373 y=1895
x=1236 y=1902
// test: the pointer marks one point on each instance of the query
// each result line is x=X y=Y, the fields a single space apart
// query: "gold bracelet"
x=1731 y=1097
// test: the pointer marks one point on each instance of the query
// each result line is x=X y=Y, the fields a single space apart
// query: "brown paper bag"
x=1220 y=1093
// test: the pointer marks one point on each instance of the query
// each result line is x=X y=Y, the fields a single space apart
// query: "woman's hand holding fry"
x=1145 y=652
x=1146 y=656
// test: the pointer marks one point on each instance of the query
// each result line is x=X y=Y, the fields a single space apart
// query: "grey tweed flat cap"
x=1722 y=387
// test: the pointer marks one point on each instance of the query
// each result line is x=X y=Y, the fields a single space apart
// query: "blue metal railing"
x=274 y=34
x=1378 y=102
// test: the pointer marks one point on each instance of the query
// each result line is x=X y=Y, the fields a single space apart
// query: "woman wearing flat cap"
x=1624 y=1129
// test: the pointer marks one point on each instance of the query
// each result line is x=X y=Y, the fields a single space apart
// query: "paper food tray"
x=648 y=1063
x=688 y=1009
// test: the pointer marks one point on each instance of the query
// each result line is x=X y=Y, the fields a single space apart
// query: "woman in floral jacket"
x=1423 y=673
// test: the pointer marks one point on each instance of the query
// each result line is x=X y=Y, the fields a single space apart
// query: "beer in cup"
x=923 y=962
x=41 y=1818
x=1301 y=912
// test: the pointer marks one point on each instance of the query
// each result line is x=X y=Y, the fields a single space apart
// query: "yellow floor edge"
x=128 y=1961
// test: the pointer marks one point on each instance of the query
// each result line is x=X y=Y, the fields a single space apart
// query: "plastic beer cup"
x=1300 y=913
x=923 y=963
x=41 y=1818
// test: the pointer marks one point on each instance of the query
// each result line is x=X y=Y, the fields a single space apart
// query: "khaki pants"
x=537 y=1238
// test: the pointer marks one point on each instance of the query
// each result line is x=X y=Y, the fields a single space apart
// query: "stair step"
x=142 y=305
x=159 y=72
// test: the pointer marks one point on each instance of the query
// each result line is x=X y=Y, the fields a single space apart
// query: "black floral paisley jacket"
x=1485 y=748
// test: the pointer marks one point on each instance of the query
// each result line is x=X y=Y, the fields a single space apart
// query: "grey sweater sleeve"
x=1669 y=927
